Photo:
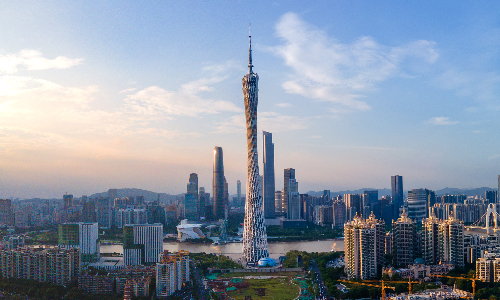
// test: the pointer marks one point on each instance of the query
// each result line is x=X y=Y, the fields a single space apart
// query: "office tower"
x=155 y=213
x=430 y=240
x=370 y=203
x=172 y=272
x=218 y=185
x=142 y=244
x=339 y=213
x=104 y=214
x=352 y=206
x=386 y=208
x=277 y=203
x=397 y=193
x=6 y=213
x=288 y=174
x=88 y=212
x=490 y=196
x=238 y=194
x=226 y=198
x=364 y=246
x=254 y=233
x=191 y=199
x=202 y=202
x=269 y=183
x=417 y=204
x=293 y=203
x=451 y=240
x=498 y=189
x=68 y=201
x=84 y=236
x=404 y=241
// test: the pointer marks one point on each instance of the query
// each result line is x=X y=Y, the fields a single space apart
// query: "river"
x=233 y=250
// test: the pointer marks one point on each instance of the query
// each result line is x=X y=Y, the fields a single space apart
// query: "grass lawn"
x=272 y=288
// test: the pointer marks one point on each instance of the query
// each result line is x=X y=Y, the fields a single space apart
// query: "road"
x=322 y=290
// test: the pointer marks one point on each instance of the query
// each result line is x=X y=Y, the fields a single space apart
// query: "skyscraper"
x=254 y=233
x=191 y=199
x=417 y=204
x=289 y=174
x=84 y=236
x=142 y=244
x=218 y=185
x=202 y=202
x=293 y=200
x=397 y=193
x=269 y=183
x=238 y=194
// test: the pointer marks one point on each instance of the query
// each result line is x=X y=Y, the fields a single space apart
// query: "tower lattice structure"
x=254 y=234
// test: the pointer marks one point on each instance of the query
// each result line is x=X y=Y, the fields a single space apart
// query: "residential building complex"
x=364 y=246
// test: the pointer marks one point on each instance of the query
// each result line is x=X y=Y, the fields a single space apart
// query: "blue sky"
x=124 y=94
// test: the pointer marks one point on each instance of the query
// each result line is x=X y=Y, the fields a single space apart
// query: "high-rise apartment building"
x=397 y=194
x=339 y=213
x=288 y=174
x=218 y=185
x=45 y=264
x=191 y=198
x=84 y=236
x=404 y=241
x=293 y=198
x=254 y=232
x=142 y=244
x=269 y=183
x=6 y=213
x=364 y=246
x=172 y=272
x=451 y=239
x=130 y=216
x=430 y=240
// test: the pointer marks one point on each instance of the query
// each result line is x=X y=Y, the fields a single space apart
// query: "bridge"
x=491 y=211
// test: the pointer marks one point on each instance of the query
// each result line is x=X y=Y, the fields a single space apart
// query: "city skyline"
x=96 y=96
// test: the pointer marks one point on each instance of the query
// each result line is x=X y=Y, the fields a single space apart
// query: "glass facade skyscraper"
x=269 y=182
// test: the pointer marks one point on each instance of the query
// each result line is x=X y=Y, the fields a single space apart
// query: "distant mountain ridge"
x=133 y=192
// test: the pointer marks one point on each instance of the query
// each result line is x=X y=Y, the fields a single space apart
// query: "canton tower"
x=254 y=234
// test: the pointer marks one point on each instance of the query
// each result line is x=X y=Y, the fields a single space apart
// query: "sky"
x=128 y=94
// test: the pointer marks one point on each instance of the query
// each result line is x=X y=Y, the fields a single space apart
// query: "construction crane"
x=374 y=285
x=465 y=278
x=409 y=283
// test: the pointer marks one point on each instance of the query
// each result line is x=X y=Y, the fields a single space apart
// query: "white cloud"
x=284 y=105
x=34 y=60
x=441 y=121
x=155 y=101
x=328 y=70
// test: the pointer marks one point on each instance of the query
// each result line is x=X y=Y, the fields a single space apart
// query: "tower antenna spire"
x=250 y=66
